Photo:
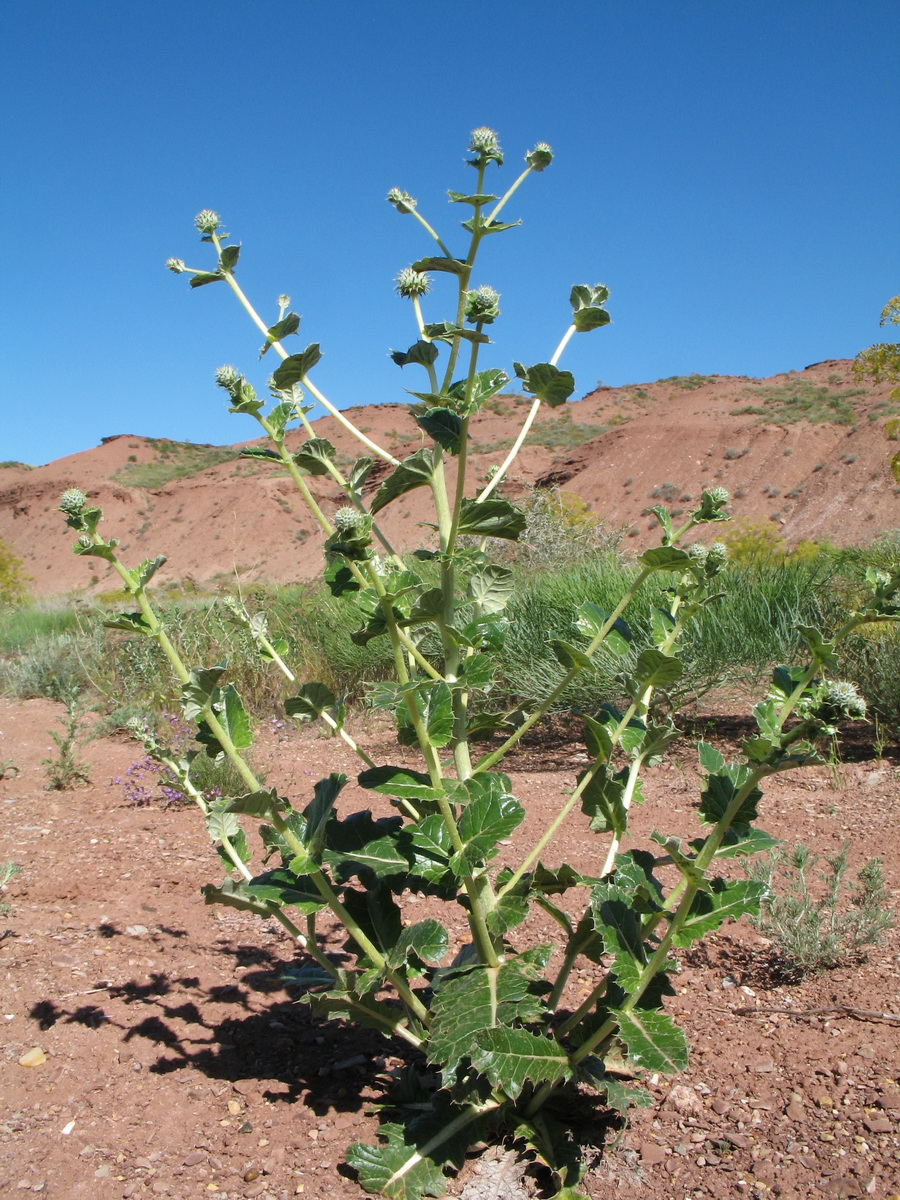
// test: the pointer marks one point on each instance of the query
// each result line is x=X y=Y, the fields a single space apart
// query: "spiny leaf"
x=711 y=908
x=288 y=324
x=491 y=518
x=396 y=1169
x=258 y=804
x=491 y=588
x=284 y=888
x=200 y=690
x=398 y=781
x=510 y=1058
x=547 y=382
x=652 y=1040
x=423 y=353
x=413 y=472
x=314 y=455
x=204 y=277
x=443 y=426
x=296 y=366
x=310 y=702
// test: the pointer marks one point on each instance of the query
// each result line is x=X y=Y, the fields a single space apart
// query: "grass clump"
x=813 y=921
x=799 y=400
x=12 y=577
x=688 y=383
x=173 y=460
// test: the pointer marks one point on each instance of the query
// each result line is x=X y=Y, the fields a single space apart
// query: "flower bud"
x=482 y=306
x=227 y=377
x=698 y=553
x=717 y=556
x=176 y=265
x=719 y=496
x=72 y=502
x=346 y=519
x=540 y=157
x=843 y=699
x=484 y=145
x=401 y=200
x=85 y=542
x=207 y=221
x=283 y=301
x=410 y=283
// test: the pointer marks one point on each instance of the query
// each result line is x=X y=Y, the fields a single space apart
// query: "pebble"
x=652 y=1154
x=878 y=1124
x=889 y=1100
x=194 y=1159
x=795 y=1111
x=35 y=1057
x=762 y=1066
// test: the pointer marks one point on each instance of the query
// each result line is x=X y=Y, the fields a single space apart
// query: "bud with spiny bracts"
x=227 y=377
x=840 y=699
x=484 y=145
x=482 y=306
x=72 y=502
x=540 y=157
x=401 y=200
x=176 y=265
x=347 y=519
x=411 y=283
x=207 y=221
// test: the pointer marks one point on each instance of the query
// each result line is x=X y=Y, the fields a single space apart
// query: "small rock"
x=720 y=1106
x=889 y=1100
x=762 y=1066
x=795 y=1112
x=194 y=1159
x=878 y=1124
x=136 y=930
x=841 y=1186
x=738 y=1140
x=35 y=1057
x=652 y=1154
x=684 y=1100
x=866 y=1051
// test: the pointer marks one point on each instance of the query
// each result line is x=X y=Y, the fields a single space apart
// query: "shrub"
x=12 y=576
x=495 y=1039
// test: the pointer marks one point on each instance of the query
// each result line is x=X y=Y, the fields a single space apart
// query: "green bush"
x=12 y=577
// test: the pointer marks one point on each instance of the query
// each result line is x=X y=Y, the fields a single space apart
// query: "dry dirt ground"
x=176 y=1064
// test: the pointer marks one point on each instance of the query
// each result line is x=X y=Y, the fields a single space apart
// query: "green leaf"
x=510 y=1058
x=685 y=863
x=221 y=824
x=822 y=651
x=547 y=382
x=492 y=813
x=310 y=702
x=360 y=846
x=396 y=1170
x=283 y=888
x=665 y=519
x=289 y=324
x=258 y=804
x=444 y=331
x=204 y=277
x=655 y=669
x=479 y=198
x=261 y=452
x=620 y=928
x=587 y=306
x=652 y=1040
x=375 y=912
x=413 y=472
x=508 y=912
x=485 y=384
x=477 y=672
x=295 y=366
x=721 y=789
x=569 y=656
x=398 y=781
x=279 y=417
x=423 y=353
x=426 y=941
x=666 y=558
x=491 y=518
x=133 y=622
x=591 y=620
x=148 y=568
x=486 y=227
x=314 y=455
x=491 y=588
x=232 y=716
x=443 y=426
x=234 y=895
x=228 y=257
x=619 y=1096
x=200 y=690
x=437 y=713
x=431 y=849
x=452 y=266
x=340 y=579
x=603 y=801
x=722 y=902
x=488 y=632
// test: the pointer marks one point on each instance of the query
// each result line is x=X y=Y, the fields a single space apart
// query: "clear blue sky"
x=728 y=169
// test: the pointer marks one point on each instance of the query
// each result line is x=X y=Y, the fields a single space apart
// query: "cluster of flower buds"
x=540 y=157
x=710 y=559
x=176 y=265
x=485 y=146
x=347 y=519
x=482 y=306
x=837 y=699
x=207 y=221
x=401 y=200
x=235 y=384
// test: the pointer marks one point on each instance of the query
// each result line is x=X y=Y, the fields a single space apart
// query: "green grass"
x=173 y=460
x=688 y=383
x=11 y=462
x=799 y=400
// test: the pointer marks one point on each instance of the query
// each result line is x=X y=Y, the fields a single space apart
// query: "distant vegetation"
x=173 y=460
x=799 y=400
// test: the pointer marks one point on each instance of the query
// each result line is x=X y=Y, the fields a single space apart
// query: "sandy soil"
x=176 y=1064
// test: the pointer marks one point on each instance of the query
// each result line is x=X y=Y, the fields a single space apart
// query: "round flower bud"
x=410 y=283
x=482 y=306
x=540 y=157
x=72 y=502
x=176 y=265
x=401 y=200
x=717 y=556
x=227 y=377
x=283 y=301
x=719 y=496
x=843 y=698
x=698 y=553
x=207 y=221
x=346 y=519
x=85 y=542
x=484 y=145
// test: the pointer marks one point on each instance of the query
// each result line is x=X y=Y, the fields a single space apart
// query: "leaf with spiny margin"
x=426 y=942
x=619 y=1096
x=597 y=737
x=491 y=518
x=481 y=998
x=508 y=912
x=822 y=651
x=486 y=819
x=603 y=801
x=661 y=625
x=684 y=862
x=591 y=620
x=666 y=558
x=358 y=845
x=396 y=1169
x=485 y=384
x=398 y=781
x=228 y=257
x=258 y=804
x=491 y=588
x=314 y=455
x=479 y=224
x=233 y=895
x=278 y=418
x=284 y=888
x=261 y=452
x=723 y=901
x=487 y=633
x=741 y=843
x=510 y=1058
x=295 y=366
x=310 y=702
x=569 y=656
x=204 y=277
x=721 y=788
x=784 y=680
x=319 y=811
x=452 y=266
x=221 y=825
x=133 y=622
x=665 y=519
x=232 y=716
x=437 y=712
x=200 y=690
x=547 y=382
x=652 y=1040
x=422 y=353
x=652 y=743
x=148 y=568
x=477 y=672
x=617 y=924
x=443 y=426
x=413 y=472
x=288 y=324
x=655 y=669
x=359 y=472
x=429 y=840
x=476 y=199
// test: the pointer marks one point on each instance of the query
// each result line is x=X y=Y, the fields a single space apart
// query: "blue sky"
x=728 y=170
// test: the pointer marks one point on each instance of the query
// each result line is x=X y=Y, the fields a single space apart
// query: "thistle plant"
x=496 y=1044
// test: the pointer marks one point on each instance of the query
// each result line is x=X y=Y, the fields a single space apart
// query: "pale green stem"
x=430 y=231
x=493 y=214
x=526 y=427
